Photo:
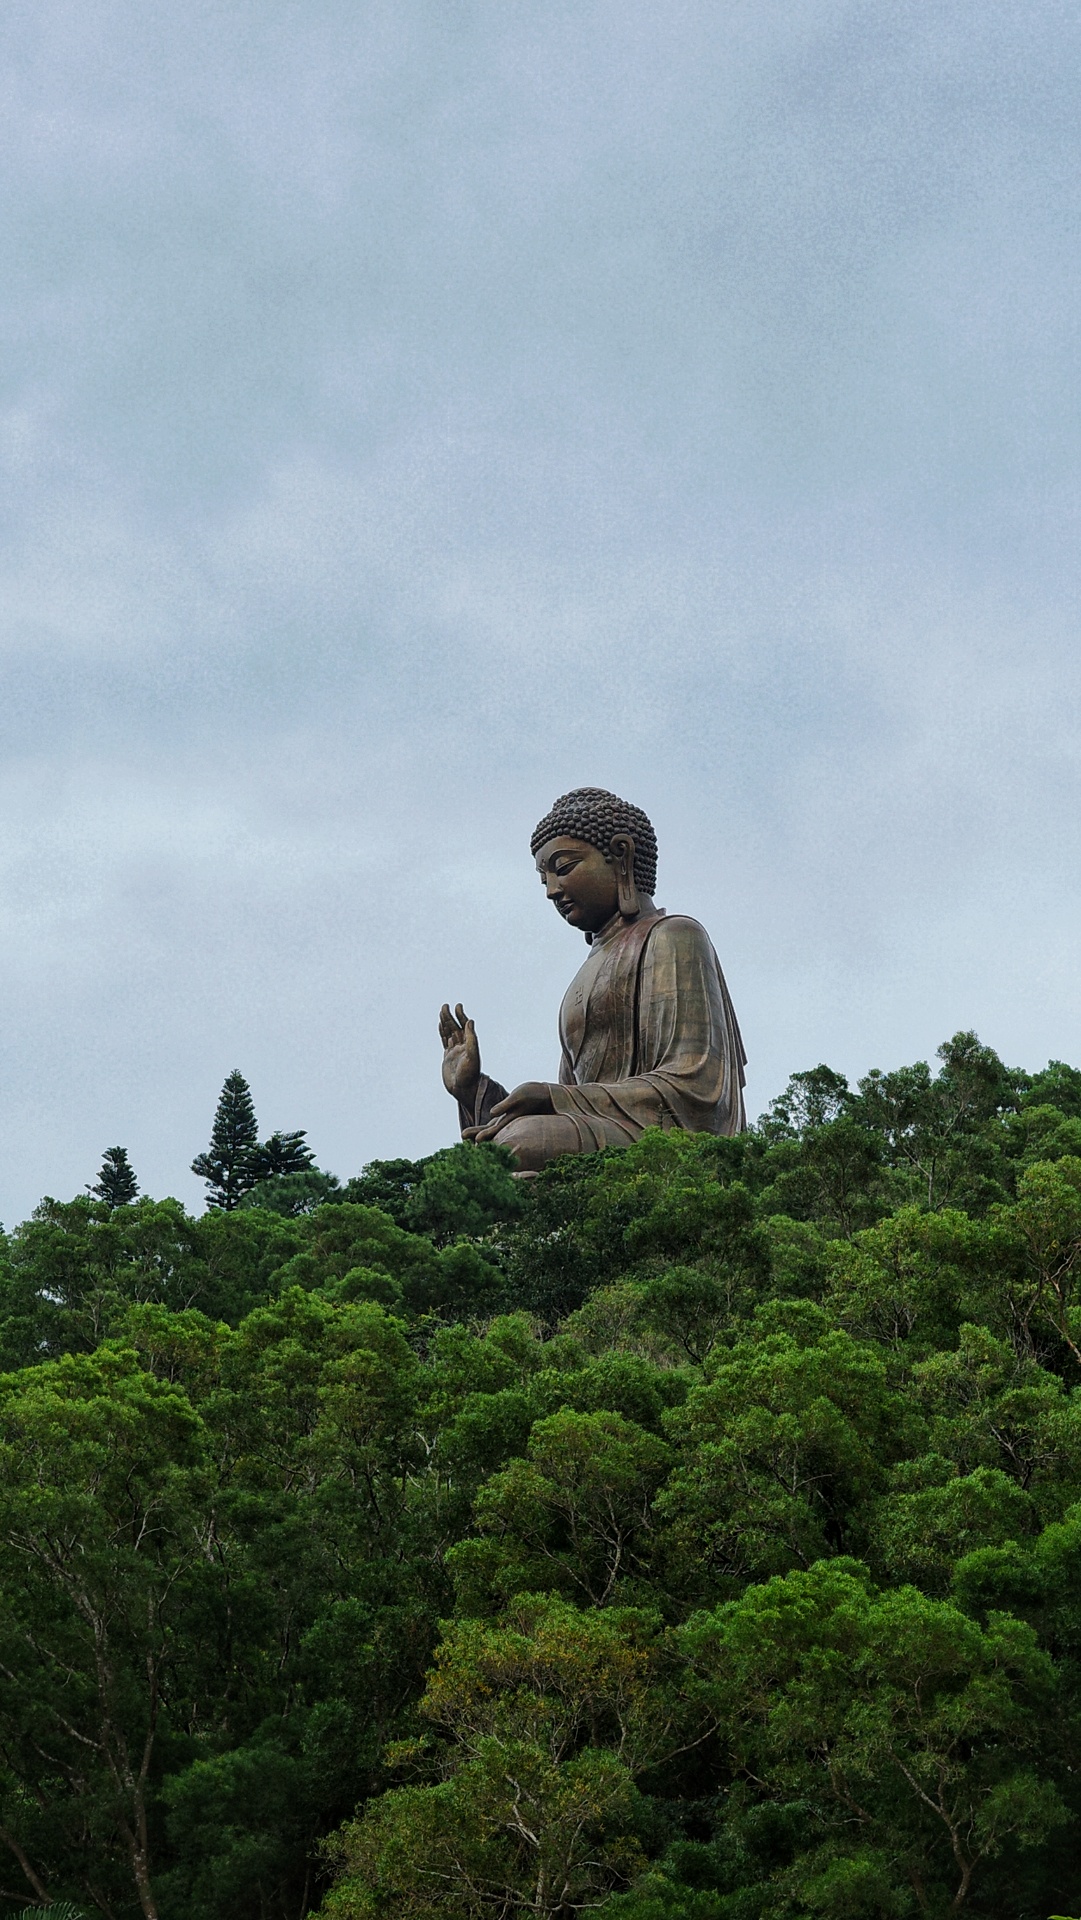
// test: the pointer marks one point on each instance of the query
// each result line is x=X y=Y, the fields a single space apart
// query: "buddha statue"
x=647 y=1030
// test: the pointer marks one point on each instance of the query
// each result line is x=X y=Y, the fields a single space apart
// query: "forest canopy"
x=690 y=1533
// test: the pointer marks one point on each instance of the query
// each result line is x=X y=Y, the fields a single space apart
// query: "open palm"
x=461 y=1053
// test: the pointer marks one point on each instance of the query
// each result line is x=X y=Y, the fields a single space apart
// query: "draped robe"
x=649 y=1039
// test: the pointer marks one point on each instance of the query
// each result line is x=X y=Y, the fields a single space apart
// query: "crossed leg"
x=539 y=1137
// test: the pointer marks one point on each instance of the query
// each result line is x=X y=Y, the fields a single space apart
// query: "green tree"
x=822 y=1161
x=116 y=1182
x=1046 y=1224
x=985 y=1406
x=70 y=1274
x=320 y=1618
x=544 y=1721
x=463 y=1190
x=934 y=1516
x=812 y=1099
x=1058 y=1086
x=101 y=1478
x=907 y=1281
x=385 y=1184
x=778 y=1454
x=575 y=1513
x=292 y=1194
x=257 y=1457
x=226 y=1166
x=281 y=1153
x=937 y=1128
x=915 y=1738
x=76 y=1267
x=688 y=1307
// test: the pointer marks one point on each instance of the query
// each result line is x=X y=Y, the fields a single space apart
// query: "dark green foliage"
x=226 y=1166
x=464 y=1190
x=69 y=1275
x=386 y=1184
x=282 y=1153
x=1058 y=1086
x=693 y=1533
x=116 y=1182
x=278 y=1174
x=292 y=1194
x=460 y=1190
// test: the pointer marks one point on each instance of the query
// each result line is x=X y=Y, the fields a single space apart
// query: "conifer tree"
x=226 y=1166
x=116 y=1183
x=281 y=1153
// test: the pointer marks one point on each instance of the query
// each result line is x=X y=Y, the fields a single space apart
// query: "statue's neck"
x=617 y=924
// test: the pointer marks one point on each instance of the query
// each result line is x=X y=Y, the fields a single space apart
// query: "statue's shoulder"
x=679 y=933
x=678 y=927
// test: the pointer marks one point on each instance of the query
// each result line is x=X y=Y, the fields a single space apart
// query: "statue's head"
x=594 y=853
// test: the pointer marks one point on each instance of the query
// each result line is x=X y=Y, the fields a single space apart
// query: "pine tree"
x=227 y=1164
x=281 y=1153
x=116 y=1183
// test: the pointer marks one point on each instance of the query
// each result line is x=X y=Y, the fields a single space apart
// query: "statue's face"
x=580 y=881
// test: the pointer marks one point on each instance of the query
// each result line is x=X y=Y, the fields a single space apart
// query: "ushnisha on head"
x=596 y=854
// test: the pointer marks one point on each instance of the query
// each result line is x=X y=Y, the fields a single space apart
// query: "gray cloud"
x=409 y=412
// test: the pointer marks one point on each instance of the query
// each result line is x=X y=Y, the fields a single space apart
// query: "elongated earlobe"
x=622 y=853
x=629 y=904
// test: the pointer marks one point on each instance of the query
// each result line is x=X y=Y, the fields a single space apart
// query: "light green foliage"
x=901 y=1719
x=987 y=1404
x=920 y=1531
x=61 y=1910
x=544 y=1722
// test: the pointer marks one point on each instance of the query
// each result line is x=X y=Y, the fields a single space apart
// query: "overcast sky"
x=412 y=410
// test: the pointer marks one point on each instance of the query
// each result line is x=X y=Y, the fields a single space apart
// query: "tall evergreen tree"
x=116 y=1183
x=281 y=1153
x=226 y=1166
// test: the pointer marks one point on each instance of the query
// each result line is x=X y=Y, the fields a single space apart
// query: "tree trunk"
x=9 y=1840
x=140 y=1867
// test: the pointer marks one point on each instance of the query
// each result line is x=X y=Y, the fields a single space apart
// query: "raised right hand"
x=461 y=1054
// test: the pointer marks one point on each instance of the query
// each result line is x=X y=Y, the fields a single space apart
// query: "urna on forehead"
x=594 y=815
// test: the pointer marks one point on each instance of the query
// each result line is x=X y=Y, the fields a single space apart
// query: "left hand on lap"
x=533 y=1096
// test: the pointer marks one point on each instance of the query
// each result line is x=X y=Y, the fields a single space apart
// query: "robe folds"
x=648 y=1037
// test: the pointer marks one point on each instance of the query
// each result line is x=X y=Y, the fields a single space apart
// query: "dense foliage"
x=692 y=1533
x=237 y=1165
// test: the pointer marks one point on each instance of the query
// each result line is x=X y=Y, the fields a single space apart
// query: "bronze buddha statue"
x=648 y=1033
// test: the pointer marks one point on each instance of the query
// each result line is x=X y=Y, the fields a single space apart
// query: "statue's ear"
x=621 y=854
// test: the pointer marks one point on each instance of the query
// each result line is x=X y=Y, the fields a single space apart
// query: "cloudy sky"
x=413 y=409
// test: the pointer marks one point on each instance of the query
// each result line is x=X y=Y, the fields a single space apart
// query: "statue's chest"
x=590 y=1002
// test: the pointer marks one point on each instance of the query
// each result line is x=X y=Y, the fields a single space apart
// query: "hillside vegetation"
x=693 y=1533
